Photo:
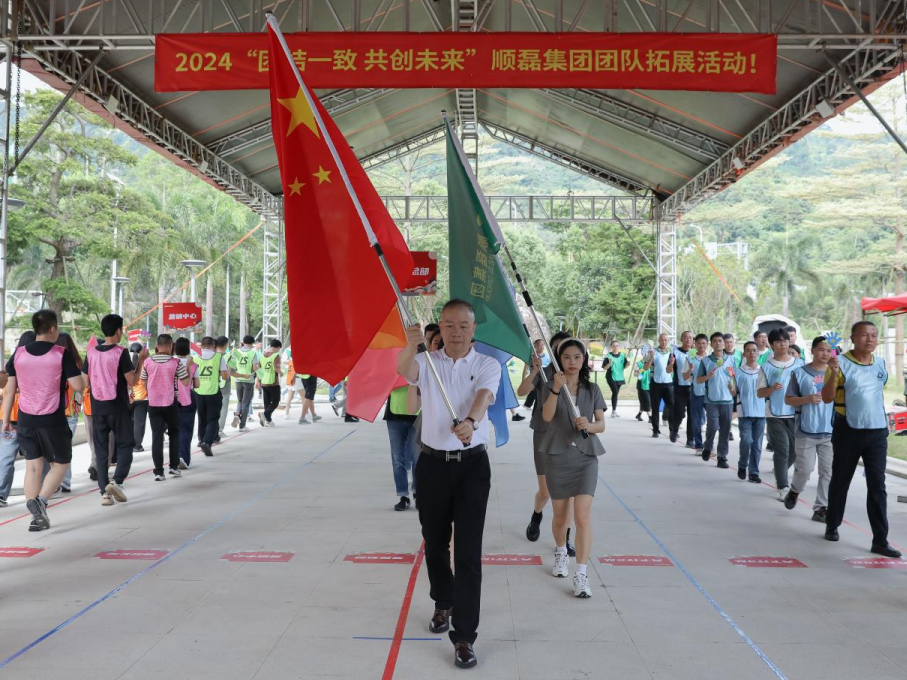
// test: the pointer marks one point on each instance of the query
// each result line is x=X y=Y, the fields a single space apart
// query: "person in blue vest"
x=661 y=388
x=779 y=417
x=697 y=395
x=751 y=408
x=716 y=372
x=682 y=388
x=814 y=426
x=854 y=383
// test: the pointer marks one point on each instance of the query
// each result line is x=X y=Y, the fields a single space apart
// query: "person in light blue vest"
x=716 y=372
x=661 y=362
x=814 y=425
x=697 y=395
x=683 y=387
x=751 y=410
x=855 y=383
x=779 y=417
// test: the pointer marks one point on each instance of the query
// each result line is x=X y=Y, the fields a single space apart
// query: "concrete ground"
x=327 y=593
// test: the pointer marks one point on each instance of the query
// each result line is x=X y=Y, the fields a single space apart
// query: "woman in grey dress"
x=571 y=466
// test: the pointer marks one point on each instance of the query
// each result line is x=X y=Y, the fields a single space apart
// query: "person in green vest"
x=765 y=351
x=401 y=429
x=244 y=360
x=211 y=369
x=615 y=363
x=226 y=387
x=268 y=380
x=643 y=375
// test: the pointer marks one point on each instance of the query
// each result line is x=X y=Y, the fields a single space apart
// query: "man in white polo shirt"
x=453 y=473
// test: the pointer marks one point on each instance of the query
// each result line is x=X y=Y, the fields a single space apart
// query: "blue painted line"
x=191 y=541
x=361 y=637
x=697 y=584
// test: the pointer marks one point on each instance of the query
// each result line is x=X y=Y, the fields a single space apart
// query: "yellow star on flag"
x=295 y=186
x=301 y=113
x=322 y=175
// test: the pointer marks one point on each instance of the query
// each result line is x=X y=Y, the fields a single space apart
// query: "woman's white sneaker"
x=561 y=567
x=581 y=585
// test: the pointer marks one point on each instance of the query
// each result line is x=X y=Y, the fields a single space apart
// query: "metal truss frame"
x=562 y=158
x=272 y=281
x=627 y=209
x=129 y=107
x=600 y=105
x=666 y=277
x=793 y=120
x=407 y=146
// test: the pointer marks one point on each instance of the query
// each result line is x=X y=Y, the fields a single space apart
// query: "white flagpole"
x=363 y=218
x=499 y=235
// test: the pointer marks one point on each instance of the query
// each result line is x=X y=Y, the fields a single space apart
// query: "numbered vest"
x=814 y=418
x=775 y=374
x=865 y=405
x=208 y=374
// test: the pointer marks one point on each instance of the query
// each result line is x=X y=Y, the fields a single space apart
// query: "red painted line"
x=404 y=614
x=95 y=490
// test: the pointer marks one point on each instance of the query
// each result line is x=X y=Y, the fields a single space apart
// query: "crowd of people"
x=178 y=390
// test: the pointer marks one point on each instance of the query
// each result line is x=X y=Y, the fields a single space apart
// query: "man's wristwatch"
x=475 y=425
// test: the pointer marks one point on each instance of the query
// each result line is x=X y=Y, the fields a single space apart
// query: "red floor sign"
x=380 y=558
x=511 y=560
x=636 y=560
x=258 y=556
x=132 y=554
x=876 y=563
x=20 y=552
x=768 y=562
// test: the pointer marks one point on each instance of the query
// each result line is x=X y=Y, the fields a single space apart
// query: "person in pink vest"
x=110 y=373
x=162 y=374
x=41 y=371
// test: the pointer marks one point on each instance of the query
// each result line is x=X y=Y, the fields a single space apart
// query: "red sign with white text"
x=876 y=563
x=135 y=335
x=424 y=280
x=20 y=552
x=182 y=315
x=132 y=554
x=768 y=562
x=636 y=561
x=258 y=556
x=717 y=62
x=380 y=558
x=511 y=560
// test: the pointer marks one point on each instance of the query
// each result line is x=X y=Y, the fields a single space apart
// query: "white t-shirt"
x=462 y=379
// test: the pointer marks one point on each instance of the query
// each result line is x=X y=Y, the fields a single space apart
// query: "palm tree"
x=784 y=261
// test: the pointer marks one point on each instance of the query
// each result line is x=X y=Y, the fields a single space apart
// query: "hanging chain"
x=18 y=61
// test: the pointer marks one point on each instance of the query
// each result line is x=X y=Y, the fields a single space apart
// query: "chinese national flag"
x=339 y=294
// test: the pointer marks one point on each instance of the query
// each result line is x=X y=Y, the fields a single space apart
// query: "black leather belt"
x=453 y=456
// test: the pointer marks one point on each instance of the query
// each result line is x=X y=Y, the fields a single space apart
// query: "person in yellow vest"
x=212 y=367
x=401 y=428
x=245 y=361
x=268 y=380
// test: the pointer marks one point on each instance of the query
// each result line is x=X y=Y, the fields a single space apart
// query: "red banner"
x=182 y=315
x=719 y=62
x=424 y=280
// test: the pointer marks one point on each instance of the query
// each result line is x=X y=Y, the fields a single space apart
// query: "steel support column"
x=272 y=281
x=4 y=195
x=666 y=293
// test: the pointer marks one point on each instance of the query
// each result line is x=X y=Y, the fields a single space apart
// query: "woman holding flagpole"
x=571 y=467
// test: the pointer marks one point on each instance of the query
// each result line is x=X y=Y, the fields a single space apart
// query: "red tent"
x=889 y=305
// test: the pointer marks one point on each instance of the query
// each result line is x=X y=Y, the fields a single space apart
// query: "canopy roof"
x=890 y=305
x=682 y=146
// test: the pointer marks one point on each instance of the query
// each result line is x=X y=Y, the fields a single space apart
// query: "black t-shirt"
x=121 y=402
x=70 y=370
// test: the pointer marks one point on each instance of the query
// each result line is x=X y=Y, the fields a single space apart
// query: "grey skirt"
x=571 y=474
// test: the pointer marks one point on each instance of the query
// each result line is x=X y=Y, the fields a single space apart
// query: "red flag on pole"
x=339 y=294
x=375 y=374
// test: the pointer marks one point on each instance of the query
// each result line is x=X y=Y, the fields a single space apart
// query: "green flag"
x=475 y=271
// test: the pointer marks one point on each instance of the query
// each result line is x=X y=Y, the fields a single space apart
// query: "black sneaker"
x=137 y=449
x=741 y=473
x=756 y=479
x=33 y=526
x=571 y=551
x=516 y=417
x=730 y=436
x=832 y=535
x=639 y=416
x=791 y=501
x=350 y=419
x=819 y=515
x=673 y=438
x=39 y=511
x=403 y=504
x=92 y=474
x=533 y=531
x=722 y=463
x=655 y=435
x=65 y=489
x=206 y=449
x=706 y=454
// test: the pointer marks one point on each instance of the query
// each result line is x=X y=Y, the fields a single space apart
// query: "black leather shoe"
x=464 y=656
x=722 y=463
x=706 y=454
x=673 y=438
x=791 y=501
x=655 y=435
x=403 y=504
x=533 y=531
x=440 y=622
x=832 y=535
x=741 y=473
x=885 y=550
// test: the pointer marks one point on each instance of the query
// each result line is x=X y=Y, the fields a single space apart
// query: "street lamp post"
x=192 y=265
x=121 y=281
